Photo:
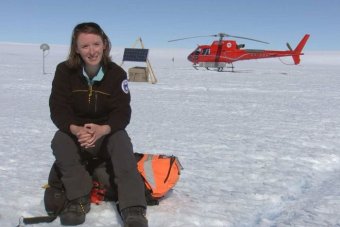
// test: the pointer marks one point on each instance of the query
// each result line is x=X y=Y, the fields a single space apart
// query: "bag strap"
x=36 y=220
x=42 y=219
x=172 y=161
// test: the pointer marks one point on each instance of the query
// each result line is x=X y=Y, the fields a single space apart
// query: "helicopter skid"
x=212 y=64
x=219 y=66
x=195 y=66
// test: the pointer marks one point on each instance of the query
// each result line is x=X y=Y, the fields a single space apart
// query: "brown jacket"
x=74 y=101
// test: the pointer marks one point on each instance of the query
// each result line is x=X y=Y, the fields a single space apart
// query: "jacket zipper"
x=90 y=93
x=95 y=102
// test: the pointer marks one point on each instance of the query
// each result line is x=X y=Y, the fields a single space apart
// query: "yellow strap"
x=45 y=186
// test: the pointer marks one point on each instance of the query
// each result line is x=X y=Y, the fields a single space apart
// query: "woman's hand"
x=83 y=134
x=89 y=133
x=96 y=132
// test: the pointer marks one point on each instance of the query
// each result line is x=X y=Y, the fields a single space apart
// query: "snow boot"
x=75 y=211
x=134 y=217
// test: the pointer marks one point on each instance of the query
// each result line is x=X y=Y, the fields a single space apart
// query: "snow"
x=259 y=147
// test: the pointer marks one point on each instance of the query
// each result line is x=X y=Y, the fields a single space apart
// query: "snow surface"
x=259 y=147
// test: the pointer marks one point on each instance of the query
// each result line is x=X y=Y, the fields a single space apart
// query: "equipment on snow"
x=160 y=174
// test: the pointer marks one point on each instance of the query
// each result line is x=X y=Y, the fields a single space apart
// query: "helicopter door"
x=206 y=51
x=196 y=53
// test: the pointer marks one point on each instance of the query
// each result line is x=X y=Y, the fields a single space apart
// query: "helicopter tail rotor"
x=289 y=47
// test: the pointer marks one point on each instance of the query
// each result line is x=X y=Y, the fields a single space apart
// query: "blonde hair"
x=74 y=60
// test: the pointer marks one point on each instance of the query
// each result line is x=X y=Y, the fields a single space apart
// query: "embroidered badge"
x=125 y=86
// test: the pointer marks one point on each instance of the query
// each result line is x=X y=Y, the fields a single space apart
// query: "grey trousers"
x=77 y=180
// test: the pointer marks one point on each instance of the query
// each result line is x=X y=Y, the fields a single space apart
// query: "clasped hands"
x=89 y=133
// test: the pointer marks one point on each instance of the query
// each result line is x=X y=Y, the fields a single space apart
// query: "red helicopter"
x=223 y=52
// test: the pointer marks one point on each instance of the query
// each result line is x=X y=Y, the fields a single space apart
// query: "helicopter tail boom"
x=297 y=51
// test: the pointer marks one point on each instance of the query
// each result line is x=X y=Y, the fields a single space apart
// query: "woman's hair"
x=74 y=60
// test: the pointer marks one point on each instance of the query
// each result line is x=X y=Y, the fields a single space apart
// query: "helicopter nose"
x=191 y=58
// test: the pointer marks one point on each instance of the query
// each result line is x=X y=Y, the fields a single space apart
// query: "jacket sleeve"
x=120 y=114
x=61 y=112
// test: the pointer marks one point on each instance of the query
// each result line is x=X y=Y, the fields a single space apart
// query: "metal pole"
x=44 y=62
x=44 y=47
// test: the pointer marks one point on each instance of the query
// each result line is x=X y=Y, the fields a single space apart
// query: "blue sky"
x=156 y=21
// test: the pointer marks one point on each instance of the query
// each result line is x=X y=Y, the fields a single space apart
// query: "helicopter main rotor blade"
x=192 y=37
x=220 y=35
x=240 y=37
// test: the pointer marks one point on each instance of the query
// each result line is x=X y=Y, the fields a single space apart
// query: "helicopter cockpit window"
x=197 y=51
x=240 y=46
x=206 y=51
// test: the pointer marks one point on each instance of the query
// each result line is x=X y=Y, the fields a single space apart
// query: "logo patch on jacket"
x=125 y=86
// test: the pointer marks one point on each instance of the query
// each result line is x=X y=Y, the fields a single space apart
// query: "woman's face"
x=91 y=48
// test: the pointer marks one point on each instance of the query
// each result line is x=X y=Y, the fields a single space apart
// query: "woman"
x=90 y=105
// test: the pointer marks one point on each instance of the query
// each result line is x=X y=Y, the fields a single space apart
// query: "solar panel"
x=135 y=54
